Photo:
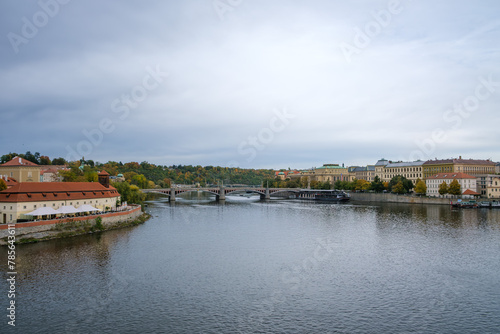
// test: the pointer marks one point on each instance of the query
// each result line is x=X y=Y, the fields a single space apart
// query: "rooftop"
x=459 y=161
x=382 y=162
x=18 y=161
x=405 y=164
x=56 y=191
x=452 y=176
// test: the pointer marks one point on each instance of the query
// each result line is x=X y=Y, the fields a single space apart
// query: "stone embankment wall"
x=393 y=198
x=108 y=221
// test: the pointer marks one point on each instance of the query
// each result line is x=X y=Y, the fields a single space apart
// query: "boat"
x=484 y=204
x=465 y=205
x=495 y=204
x=336 y=196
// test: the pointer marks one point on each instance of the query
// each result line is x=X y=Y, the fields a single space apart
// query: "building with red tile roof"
x=26 y=197
x=21 y=170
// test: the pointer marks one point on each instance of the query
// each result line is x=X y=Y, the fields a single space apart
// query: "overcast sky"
x=251 y=83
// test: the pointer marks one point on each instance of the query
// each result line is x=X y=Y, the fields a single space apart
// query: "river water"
x=282 y=266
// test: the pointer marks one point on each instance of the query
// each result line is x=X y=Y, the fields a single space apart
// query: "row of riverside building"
x=25 y=192
x=476 y=177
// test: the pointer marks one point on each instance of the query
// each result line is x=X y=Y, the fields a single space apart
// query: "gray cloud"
x=225 y=78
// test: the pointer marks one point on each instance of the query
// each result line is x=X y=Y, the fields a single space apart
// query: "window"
x=24 y=207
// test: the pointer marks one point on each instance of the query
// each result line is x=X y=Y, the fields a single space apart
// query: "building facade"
x=467 y=182
x=411 y=170
x=380 y=167
x=468 y=166
x=493 y=190
x=26 y=197
x=21 y=170
x=364 y=173
x=50 y=173
x=329 y=173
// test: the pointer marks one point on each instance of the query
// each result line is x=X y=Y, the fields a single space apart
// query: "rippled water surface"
x=269 y=267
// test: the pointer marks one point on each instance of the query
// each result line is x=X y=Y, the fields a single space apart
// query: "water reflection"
x=253 y=266
x=439 y=214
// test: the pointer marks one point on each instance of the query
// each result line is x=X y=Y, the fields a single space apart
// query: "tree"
x=3 y=185
x=443 y=188
x=59 y=161
x=362 y=185
x=420 y=187
x=8 y=157
x=91 y=176
x=315 y=184
x=386 y=185
x=140 y=181
x=377 y=185
x=129 y=193
x=32 y=157
x=454 y=188
x=407 y=184
x=399 y=188
x=45 y=160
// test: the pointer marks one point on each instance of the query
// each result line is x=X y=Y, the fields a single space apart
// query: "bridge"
x=221 y=192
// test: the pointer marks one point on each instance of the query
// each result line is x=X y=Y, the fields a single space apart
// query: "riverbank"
x=394 y=198
x=36 y=231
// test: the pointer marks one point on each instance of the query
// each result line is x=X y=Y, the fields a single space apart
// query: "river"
x=281 y=266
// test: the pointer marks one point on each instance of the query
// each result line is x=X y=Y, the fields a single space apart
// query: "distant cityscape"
x=29 y=186
x=476 y=177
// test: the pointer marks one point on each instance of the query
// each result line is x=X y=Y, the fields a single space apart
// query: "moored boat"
x=464 y=204
x=332 y=196
x=484 y=204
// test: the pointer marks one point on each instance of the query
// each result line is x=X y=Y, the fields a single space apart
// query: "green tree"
x=68 y=175
x=377 y=185
x=455 y=188
x=407 y=184
x=8 y=157
x=35 y=158
x=45 y=160
x=91 y=176
x=129 y=193
x=420 y=187
x=443 y=188
x=140 y=181
x=399 y=188
x=58 y=161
